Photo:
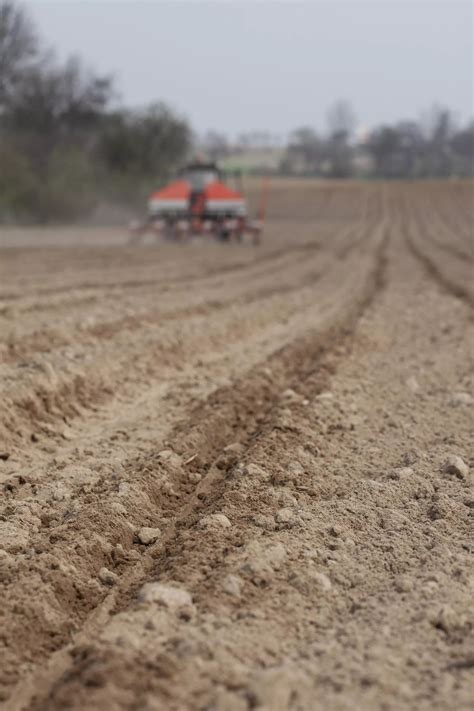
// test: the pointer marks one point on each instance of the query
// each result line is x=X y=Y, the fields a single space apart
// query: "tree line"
x=66 y=142
x=434 y=147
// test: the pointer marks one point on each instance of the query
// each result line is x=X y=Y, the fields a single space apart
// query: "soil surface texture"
x=239 y=477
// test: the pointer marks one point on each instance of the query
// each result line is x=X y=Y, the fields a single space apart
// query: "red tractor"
x=199 y=203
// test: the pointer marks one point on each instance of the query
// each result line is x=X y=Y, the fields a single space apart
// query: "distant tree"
x=50 y=113
x=61 y=146
x=55 y=105
x=18 y=187
x=385 y=146
x=18 y=47
x=341 y=122
x=427 y=150
x=410 y=149
x=55 y=99
x=341 y=118
x=215 y=145
x=149 y=143
x=439 y=128
x=462 y=147
x=304 y=152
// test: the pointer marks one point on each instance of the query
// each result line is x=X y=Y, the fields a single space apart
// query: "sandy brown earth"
x=238 y=477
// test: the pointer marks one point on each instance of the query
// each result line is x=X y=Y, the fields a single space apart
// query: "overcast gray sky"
x=235 y=66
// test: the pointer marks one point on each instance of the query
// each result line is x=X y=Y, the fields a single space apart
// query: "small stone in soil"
x=107 y=577
x=459 y=399
x=284 y=515
x=457 y=466
x=215 y=521
x=322 y=580
x=253 y=470
x=275 y=554
x=413 y=384
x=447 y=619
x=232 y=584
x=167 y=595
x=325 y=396
x=403 y=583
x=148 y=535
x=401 y=473
x=235 y=447
x=118 y=507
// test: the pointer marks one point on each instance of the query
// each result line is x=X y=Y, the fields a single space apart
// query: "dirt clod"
x=215 y=521
x=232 y=584
x=148 y=535
x=285 y=515
x=107 y=577
x=167 y=595
x=461 y=399
x=457 y=466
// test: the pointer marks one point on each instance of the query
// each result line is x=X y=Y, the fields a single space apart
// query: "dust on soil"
x=239 y=478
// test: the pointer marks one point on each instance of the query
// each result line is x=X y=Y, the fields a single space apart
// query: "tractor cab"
x=200 y=175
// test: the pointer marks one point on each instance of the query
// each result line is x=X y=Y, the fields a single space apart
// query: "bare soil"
x=240 y=477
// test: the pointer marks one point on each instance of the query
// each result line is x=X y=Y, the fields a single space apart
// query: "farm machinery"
x=200 y=203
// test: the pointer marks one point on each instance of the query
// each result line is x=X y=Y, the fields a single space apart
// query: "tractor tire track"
x=453 y=284
x=240 y=408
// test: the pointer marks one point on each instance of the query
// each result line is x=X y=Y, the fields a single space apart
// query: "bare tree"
x=54 y=106
x=462 y=145
x=437 y=127
x=18 y=47
x=147 y=143
x=304 y=152
x=341 y=118
x=215 y=145
x=385 y=147
x=341 y=122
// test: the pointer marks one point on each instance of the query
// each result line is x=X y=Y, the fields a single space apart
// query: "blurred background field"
x=72 y=151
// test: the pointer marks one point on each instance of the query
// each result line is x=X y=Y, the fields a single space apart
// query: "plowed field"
x=238 y=477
